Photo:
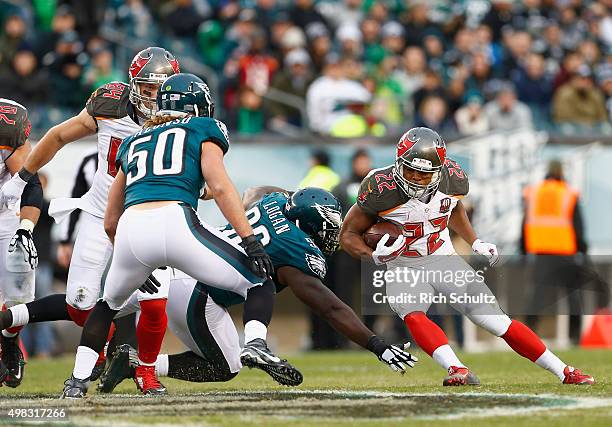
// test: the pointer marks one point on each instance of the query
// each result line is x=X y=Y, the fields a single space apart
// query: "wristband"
x=376 y=345
x=25 y=174
x=26 y=224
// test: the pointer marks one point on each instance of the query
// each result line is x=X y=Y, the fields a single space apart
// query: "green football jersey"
x=163 y=162
x=283 y=241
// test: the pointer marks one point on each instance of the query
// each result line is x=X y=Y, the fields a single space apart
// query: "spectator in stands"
x=432 y=86
x=255 y=71
x=320 y=174
x=389 y=103
x=533 y=86
x=393 y=37
x=373 y=51
x=434 y=51
x=518 y=45
x=349 y=40
x=590 y=52
x=293 y=38
x=499 y=15
x=411 y=75
x=63 y=22
x=319 y=44
x=554 y=50
x=505 y=112
x=101 y=70
x=293 y=80
x=471 y=119
x=13 y=37
x=26 y=83
x=571 y=62
x=182 y=18
x=135 y=19
x=343 y=12
x=330 y=97
x=480 y=73
x=213 y=45
x=304 y=13
x=574 y=30
x=433 y=114
x=579 y=101
x=266 y=12
x=455 y=94
x=417 y=24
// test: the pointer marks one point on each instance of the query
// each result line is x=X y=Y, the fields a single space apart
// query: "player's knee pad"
x=78 y=316
x=496 y=324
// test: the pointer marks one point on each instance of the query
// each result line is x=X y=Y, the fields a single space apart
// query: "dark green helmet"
x=319 y=214
x=185 y=93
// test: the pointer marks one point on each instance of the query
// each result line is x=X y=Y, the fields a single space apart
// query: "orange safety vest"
x=549 y=227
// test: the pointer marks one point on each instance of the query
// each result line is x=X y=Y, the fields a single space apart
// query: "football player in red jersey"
x=113 y=112
x=423 y=192
x=18 y=256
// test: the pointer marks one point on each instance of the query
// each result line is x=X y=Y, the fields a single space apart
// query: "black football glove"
x=150 y=286
x=394 y=356
x=260 y=261
x=22 y=254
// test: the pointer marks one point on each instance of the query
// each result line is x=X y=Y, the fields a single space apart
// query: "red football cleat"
x=460 y=376
x=575 y=376
x=147 y=381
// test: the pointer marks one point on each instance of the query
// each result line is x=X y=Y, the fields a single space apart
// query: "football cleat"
x=460 y=376
x=575 y=376
x=75 y=388
x=13 y=361
x=147 y=382
x=98 y=369
x=256 y=354
x=121 y=365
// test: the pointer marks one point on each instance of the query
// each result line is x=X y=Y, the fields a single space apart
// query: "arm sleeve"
x=32 y=193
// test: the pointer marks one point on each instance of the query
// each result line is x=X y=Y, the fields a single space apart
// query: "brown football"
x=378 y=230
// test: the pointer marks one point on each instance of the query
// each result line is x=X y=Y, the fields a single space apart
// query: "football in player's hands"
x=373 y=234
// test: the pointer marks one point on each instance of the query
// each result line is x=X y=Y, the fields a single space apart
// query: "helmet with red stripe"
x=150 y=66
x=420 y=149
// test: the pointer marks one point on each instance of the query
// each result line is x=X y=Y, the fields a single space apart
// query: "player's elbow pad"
x=32 y=193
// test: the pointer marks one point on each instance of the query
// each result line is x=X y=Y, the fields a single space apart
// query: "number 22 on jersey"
x=160 y=165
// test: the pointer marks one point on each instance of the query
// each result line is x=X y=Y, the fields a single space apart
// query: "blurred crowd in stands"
x=345 y=68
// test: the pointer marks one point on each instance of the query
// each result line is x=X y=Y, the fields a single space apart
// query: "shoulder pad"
x=379 y=192
x=109 y=101
x=214 y=130
x=14 y=124
x=454 y=181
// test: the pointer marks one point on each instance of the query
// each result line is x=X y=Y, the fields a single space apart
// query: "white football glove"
x=383 y=254
x=11 y=191
x=487 y=249
x=398 y=359
x=22 y=255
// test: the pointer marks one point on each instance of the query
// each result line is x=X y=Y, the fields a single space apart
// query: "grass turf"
x=352 y=389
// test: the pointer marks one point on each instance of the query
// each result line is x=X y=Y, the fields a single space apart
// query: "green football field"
x=340 y=389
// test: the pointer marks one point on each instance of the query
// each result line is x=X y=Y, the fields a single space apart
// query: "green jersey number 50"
x=175 y=167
